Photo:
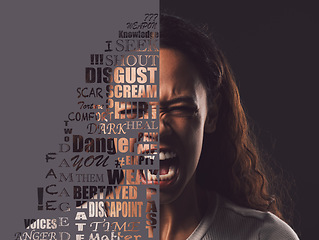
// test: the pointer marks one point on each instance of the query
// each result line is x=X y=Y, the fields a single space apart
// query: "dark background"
x=272 y=47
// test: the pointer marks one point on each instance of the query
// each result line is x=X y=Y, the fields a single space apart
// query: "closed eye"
x=134 y=112
x=181 y=111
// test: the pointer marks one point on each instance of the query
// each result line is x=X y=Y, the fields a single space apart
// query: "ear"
x=212 y=115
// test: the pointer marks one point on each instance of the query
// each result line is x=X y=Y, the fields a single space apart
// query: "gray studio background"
x=45 y=47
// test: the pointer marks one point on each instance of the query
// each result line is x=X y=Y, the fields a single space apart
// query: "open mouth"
x=168 y=171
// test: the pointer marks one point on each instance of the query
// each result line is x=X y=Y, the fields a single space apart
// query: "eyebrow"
x=185 y=99
x=134 y=103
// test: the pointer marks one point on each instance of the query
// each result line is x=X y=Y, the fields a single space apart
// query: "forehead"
x=178 y=75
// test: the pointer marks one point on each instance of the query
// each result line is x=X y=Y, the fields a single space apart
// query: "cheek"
x=190 y=135
x=188 y=128
x=132 y=145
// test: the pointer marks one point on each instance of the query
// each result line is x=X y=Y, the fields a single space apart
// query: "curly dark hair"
x=230 y=162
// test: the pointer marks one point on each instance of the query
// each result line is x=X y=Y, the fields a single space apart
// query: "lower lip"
x=167 y=183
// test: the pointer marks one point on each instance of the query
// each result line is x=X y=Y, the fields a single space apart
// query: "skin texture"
x=184 y=119
x=184 y=116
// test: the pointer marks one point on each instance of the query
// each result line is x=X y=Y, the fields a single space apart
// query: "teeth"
x=167 y=155
x=151 y=157
x=150 y=176
x=161 y=156
x=169 y=175
x=165 y=177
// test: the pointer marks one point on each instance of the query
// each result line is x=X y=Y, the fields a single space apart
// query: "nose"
x=148 y=136
x=165 y=128
x=164 y=131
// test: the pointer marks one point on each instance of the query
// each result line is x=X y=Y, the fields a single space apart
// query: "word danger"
x=35 y=235
x=91 y=145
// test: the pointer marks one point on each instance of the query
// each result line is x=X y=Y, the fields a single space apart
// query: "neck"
x=180 y=218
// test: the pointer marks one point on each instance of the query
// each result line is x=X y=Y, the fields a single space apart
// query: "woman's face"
x=183 y=112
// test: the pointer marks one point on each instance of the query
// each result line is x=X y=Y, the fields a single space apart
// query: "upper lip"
x=161 y=149
x=164 y=148
x=148 y=151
